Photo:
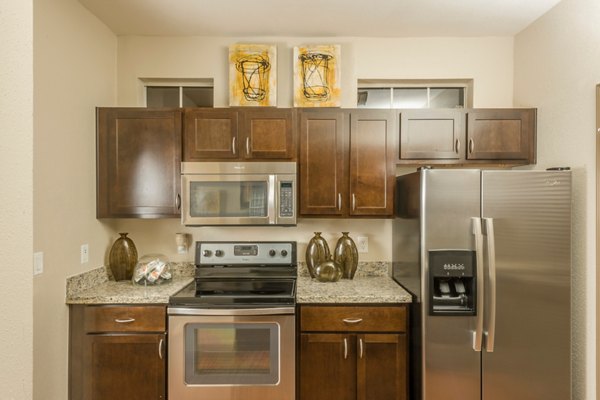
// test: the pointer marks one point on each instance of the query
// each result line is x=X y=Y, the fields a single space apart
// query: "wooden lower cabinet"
x=117 y=352
x=353 y=364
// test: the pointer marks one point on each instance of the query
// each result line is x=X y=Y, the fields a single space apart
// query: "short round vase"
x=346 y=254
x=122 y=258
x=328 y=271
x=317 y=252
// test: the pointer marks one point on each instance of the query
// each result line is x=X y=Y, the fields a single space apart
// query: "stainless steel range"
x=231 y=332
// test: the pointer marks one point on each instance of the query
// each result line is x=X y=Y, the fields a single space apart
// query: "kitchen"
x=538 y=67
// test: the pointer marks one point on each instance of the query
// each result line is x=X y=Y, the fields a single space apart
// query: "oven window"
x=229 y=199
x=232 y=353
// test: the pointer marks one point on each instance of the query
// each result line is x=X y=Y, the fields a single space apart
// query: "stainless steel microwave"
x=238 y=193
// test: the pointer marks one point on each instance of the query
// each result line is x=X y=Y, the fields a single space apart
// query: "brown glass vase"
x=346 y=254
x=317 y=252
x=122 y=258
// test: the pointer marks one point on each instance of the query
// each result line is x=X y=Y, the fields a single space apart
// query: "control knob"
x=283 y=253
x=272 y=253
x=206 y=253
x=218 y=253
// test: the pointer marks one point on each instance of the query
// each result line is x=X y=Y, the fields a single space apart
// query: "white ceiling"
x=314 y=18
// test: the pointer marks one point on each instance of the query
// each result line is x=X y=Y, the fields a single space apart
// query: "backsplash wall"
x=158 y=236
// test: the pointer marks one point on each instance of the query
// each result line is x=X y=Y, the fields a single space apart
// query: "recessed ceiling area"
x=319 y=18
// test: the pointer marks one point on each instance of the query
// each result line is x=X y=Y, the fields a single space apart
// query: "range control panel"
x=245 y=253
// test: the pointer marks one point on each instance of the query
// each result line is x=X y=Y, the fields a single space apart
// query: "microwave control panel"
x=286 y=199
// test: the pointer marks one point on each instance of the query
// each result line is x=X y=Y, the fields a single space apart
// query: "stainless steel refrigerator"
x=487 y=255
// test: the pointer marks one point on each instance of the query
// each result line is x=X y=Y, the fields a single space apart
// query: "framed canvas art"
x=317 y=76
x=252 y=75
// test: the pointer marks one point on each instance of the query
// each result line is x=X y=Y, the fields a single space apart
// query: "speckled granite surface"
x=371 y=284
x=361 y=289
x=97 y=287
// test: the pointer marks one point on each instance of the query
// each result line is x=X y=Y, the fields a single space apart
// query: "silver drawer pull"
x=124 y=321
x=352 y=320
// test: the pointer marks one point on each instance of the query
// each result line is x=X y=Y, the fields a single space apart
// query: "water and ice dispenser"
x=452 y=282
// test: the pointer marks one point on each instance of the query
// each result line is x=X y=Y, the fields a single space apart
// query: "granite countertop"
x=97 y=287
x=371 y=284
x=361 y=289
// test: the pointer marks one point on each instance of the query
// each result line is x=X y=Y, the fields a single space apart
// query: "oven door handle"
x=230 y=311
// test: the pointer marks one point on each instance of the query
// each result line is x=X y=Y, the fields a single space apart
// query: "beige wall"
x=16 y=201
x=74 y=71
x=489 y=61
x=557 y=67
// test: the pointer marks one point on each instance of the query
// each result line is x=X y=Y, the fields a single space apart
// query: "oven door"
x=229 y=354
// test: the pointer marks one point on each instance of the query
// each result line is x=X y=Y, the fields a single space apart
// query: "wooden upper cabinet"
x=268 y=134
x=210 y=134
x=431 y=134
x=372 y=168
x=138 y=162
x=214 y=134
x=501 y=134
x=321 y=167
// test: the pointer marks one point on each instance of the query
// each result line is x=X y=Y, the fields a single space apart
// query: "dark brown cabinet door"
x=268 y=134
x=372 y=167
x=210 y=134
x=381 y=364
x=501 y=134
x=124 y=367
x=322 y=141
x=327 y=367
x=138 y=162
x=431 y=134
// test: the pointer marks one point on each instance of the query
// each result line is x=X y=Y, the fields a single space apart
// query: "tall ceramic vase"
x=317 y=252
x=346 y=254
x=122 y=258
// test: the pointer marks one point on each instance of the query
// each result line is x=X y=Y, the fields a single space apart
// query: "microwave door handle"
x=271 y=191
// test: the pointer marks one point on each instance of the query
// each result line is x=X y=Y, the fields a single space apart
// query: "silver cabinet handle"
x=478 y=334
x=234 y=145
x=360 y=346
x=345 y=348
x=471 y=145
x=160 y=349
x=124 y=321
x=248 y=146
x=339 y=201
x=178 y=201
x=457 y=146
x=353 y=202
x=491 y=253
x=352 y=320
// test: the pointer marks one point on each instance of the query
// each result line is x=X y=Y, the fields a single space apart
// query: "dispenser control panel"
x=452 y=282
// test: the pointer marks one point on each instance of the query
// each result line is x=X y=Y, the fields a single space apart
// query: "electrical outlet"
x=85 y=253
x=38 y=263
x=363 y=244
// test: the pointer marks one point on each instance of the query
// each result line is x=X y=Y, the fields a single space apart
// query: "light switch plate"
x=38 y=263
x=85 y=253
x=362 y=244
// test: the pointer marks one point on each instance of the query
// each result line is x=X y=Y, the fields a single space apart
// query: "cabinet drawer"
x=354 y=319
x=125 y=319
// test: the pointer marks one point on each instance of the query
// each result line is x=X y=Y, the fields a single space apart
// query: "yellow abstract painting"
x=252 y=75
x=317 y=76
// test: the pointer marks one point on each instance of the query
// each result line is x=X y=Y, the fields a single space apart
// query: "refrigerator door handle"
x=478 y=334
x=491 y=255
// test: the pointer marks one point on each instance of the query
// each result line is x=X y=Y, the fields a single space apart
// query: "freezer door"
x=451 y=367
x=531 y=216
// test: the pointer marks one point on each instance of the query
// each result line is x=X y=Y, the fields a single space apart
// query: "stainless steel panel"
x=451 y=368
x=237 y=168
x=531 y=211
